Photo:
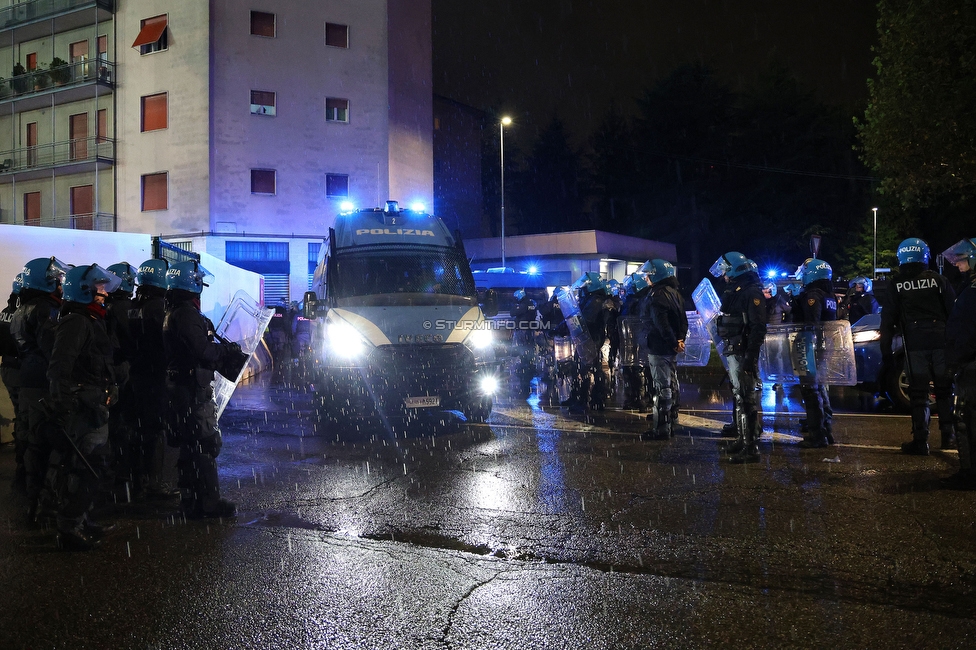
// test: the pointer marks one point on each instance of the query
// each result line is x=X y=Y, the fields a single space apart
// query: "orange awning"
x=151 y=31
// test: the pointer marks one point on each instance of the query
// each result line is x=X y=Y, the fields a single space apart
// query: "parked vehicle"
x=867 y=356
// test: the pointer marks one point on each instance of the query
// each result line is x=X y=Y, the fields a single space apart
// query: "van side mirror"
x=489 y=305
x=309 y=303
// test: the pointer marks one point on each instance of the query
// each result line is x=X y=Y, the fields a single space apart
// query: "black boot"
x=815 y=440
x=729 y=431
x=73 y=537
x=749 y=453
x=214 y=509
x=917 y=447
x=948 y=440
x=733 y=446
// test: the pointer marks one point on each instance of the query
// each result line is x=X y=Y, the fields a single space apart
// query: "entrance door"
x=79 y=56
x=82 y=208
x=32 y=209
x=31 y=144
x=78 y=132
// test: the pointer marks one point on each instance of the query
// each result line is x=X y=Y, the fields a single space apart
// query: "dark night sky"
x=534 y=57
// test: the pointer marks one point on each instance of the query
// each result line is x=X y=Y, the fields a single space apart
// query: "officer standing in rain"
x=815 y=304
x=192 y=355
x=150 y=401
x=82 y=379
x=742 y=327
x=961 y=360
x=860 y=300
x=121 y=427
x=667 y=329
x=777 y=304
x=9 y=364
x=919 y=301
x=32 y=327
x=636 y=288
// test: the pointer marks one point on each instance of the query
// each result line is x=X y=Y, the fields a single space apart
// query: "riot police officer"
x=667 y=329
x=742 y=327
x=32 y=327
x=121 y=428
x=860 y=300
x=149 y=400
x=777 y=304
x=9 y=364
x=524 y=313
x=961 y=360
x=814 y=304
x=918 y=303
x=636 y=395
x=192 y=355
x=81 y=375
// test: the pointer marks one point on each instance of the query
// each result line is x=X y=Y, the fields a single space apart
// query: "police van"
x=397 y=328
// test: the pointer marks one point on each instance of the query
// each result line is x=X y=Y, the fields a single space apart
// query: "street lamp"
x=874 y=273
x=501 y=135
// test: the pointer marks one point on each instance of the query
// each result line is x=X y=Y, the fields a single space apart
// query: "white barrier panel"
x=798 y=352
x=698 y=342
x=243 y=322
x=707 y=304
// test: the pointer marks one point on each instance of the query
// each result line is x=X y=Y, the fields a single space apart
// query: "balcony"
x=27 y=19
x=65 y=84
x=92 y=221
x=68 y=157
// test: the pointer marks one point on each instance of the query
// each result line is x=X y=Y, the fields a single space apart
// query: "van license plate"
x=422 y=402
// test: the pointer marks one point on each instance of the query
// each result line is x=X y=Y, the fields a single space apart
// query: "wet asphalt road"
x=538 y=530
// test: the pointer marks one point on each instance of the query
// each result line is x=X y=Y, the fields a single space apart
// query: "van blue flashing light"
x=347 y=206
x=417 y=206
x=772 y=273
x=533 y=270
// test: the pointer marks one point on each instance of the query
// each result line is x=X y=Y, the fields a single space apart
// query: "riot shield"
x=698 y=343
x=244 y=323
x=633 y=351
x=709 y=306
x=800 y=352
x=586 y=348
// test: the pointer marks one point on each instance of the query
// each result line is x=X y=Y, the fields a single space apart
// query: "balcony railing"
x=22 y=13
x=67 y=76
x=55 y=154
x=91 y=221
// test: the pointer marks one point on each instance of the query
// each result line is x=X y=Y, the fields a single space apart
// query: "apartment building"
x=232 y=128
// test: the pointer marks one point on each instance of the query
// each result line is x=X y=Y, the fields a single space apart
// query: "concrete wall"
x=298 y=143
x=183 y=149
x=411 y=102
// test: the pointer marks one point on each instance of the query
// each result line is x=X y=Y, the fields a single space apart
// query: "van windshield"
x=420 y=275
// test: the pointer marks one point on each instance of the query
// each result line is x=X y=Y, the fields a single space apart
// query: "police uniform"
x=960 y=335
x=9 y=363
x=635 y=393
x=919 y=301
x=667 y=325
x=742 y=327
x=191 y=357
x=814 y=305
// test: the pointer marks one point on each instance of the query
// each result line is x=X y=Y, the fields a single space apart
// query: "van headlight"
x=345 y=342
x=479 y=339
x=488 y=384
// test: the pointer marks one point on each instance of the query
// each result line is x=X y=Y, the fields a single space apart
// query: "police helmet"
x=865 y=282
x=812 y=270
x=635 y=282
x=127 y=273
x=152 y=273
x=188 y=276
x=913 y=250
x=793 y=289
x=770 y=286
x=732 y=265
x=660 y=269
x=520 y=294
x=44 y=274
x=963 y=250
x=82 y=283
x=591 y=282
x=18 y=284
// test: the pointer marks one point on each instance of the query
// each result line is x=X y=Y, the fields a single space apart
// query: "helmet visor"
x=720 y=267
x=103 y=279
x=959 y=251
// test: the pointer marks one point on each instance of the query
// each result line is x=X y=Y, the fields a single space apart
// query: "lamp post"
x=501 y=135
x=874 y=272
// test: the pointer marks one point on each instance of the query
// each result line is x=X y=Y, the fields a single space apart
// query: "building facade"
x=232 y=128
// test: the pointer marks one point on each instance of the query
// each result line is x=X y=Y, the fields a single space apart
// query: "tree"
x=919 y=130
x=615 y=173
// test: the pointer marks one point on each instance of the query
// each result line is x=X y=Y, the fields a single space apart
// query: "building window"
x=155 y=194
x=32 y=61
x=262 y=24
x=337 y=185
x=152 y=35
x=263 y=181
x=336 y=110
x=336 y=35
x=262 y=102
x=101 y=125
x=32 y=209
x=313 y=260
x=154 y=116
